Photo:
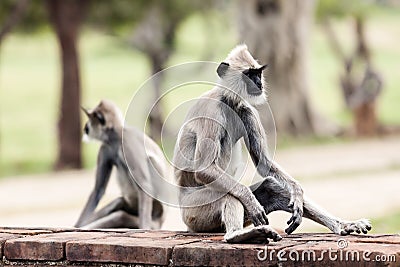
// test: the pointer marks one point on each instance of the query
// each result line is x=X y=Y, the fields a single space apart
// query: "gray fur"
x=135 y=208
x=206 y=161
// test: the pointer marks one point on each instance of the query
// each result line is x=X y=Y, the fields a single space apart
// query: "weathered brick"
x=387 y=239
x=216 y=236
x=3 y=238
x=45 y=246
x=373 y=253
x=24 y=231
x=327 y=253
x=124 y=249
x=150 y=234
x=74 y=246
x=221 y=253
x=376 y=238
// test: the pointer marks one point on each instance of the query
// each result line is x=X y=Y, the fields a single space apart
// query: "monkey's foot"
x=258 y=234
x=346 y=228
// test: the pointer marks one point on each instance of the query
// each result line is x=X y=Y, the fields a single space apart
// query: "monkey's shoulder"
x=131 y=132
x=205 y=105
x=138 y=138
x=241 y=108
x=137 y=146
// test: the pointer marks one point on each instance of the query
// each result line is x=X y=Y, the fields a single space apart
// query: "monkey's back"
x=144 y=160
x=206 y=121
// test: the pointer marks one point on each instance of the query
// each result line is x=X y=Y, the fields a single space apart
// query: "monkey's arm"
x=209 y=173
x=255 y=141
x=103 y=172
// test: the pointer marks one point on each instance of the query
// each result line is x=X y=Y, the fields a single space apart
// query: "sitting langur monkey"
x=135 y=208
x=206 y=160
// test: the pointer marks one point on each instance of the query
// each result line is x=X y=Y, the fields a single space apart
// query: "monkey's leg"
x=201 y=210
x=223 y=212
x=145 y=210
x=274 y=197
x=158 y=210
x=115 y=205
x=117 y=219
x=233 y=219
x=118 y=214
x=336 y=225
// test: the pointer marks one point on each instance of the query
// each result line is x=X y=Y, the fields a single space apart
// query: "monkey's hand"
x=296 y=206
x=257 y=214
x=346 y=228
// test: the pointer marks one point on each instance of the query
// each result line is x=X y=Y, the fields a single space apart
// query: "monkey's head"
x=105 y=122
x=242 y=76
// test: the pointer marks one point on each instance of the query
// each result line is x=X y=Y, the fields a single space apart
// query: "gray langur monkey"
x=135 y=208
x=206 y=160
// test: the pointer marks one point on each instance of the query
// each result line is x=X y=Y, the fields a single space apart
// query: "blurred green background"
x=111 y=68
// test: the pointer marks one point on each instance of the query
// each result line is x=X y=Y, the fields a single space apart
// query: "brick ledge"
x=71 y=246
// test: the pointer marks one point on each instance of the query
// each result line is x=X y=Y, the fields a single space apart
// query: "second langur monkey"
x=206 y=160
x=135 y=208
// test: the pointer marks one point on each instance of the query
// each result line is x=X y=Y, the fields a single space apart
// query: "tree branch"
x=333 y=40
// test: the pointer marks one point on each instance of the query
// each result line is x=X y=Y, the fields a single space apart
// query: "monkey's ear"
x=222 y=68
x=263 y=67
x=86 y=111
x=99 y=116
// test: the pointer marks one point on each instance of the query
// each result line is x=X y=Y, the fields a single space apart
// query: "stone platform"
x=71 y=247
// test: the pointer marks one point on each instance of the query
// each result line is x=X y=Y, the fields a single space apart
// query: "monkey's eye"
x=100 y=118
x=252 y=72
x=246 y=72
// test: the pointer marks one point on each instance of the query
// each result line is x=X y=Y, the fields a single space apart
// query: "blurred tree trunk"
x=361 y=84
x=277 y=33
x=156 y=114
x=154 y=36
x=12 y=19
x=66 y=18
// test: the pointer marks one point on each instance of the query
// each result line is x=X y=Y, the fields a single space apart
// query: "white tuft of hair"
x=86 y=138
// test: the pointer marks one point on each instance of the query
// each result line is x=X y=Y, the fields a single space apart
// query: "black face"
x=86 y=129
x=99 y=117
x=252 y=77
x=95 y=117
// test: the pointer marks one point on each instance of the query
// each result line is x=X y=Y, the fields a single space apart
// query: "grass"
x=387 y=224
x=30 y=81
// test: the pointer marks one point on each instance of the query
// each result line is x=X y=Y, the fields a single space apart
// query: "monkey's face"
x=104 y=122
x=253 y=79
x=247 y=84
x=242 y=76
x=95 y=126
